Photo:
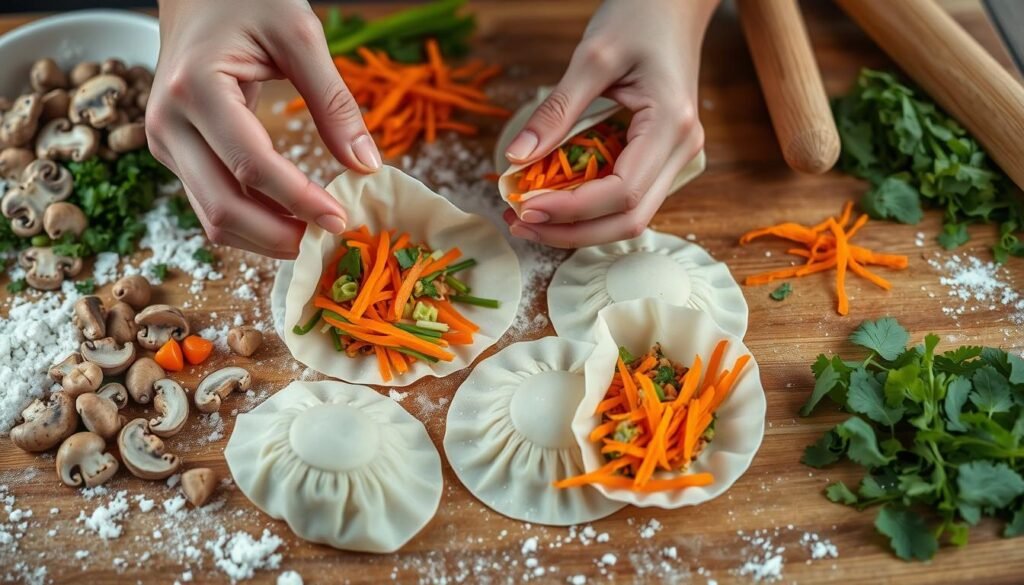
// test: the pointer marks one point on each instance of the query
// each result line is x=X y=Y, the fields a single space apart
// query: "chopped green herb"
x=664 y=375
x=86 y=287
x=781 y=292
x=204 y=255
x=407 y=257
x=17 y=286
x=344 y=289
x=477 y=301
x=624 y=355
x=309 y=325
x=182 y=211
x=351 y=264
x=160 y=271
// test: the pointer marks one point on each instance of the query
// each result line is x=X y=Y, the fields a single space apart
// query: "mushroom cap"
x=114 y=66
x=140 y=379
x=20 y=122
x=84 y=377
x=216 y=386
x=99 y=414
x=64 y=218
x=82 y=460
x=143 y=452
x=45 y=424
x=95 y=101
x=134 y=290
x=61 y=368
x=45 y=75
x=82 y=72
x=171 y=405
x=55 y=105
x=89 y=317
x=245 y=340
x=115 y=392
x=60 y=140
x=121 y=323
x=13 y=161
x=159 y=323
x=106 y=353
x=127 y=137
x=198 y=485
x=42 y=182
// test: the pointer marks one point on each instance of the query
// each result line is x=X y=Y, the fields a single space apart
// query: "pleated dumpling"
x=509 y=433
x=341 y=464
x=654 y=265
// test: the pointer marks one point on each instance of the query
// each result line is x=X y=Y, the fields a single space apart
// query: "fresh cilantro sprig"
x=941 y=436
x=781 y=292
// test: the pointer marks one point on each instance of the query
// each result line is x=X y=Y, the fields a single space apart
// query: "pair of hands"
x=214 y=55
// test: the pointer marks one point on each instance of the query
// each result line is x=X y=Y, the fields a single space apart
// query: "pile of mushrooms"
x=92 y=109
x=107 y=372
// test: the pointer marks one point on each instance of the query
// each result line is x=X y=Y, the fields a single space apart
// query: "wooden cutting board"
x=746 y=185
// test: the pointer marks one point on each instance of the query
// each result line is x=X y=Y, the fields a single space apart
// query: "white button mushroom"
x=198 y=485
x=60 y=140
x=95 y=101
x=143 y=452
x=140 y=379
x=245 y=340
x=41 y=183
x=106 y=353
x=99 y=414
x=82 y=378
x=89 y=318
x=159 y=323
x=46 y=268
x=45 y=424
x=171 y=404
x=216 y=386
x=83 y=462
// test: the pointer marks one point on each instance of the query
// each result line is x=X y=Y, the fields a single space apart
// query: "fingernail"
x=524 y=233
x=366 y=152
x=522 y=146
x=331 y=223
x=535 y=216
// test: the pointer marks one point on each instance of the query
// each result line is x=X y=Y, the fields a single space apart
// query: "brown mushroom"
x=55 y=105
x=83 y=72
x=216 y=386
x=134 y=290
x=42 y=183
x=59 y=140
x=5 y=104
x=84 y=377
x=61 y=368
x=159 y=323
x=140 y=379
x=13 y=161
x=99 y=414
x=171 y=404
x=245 y=340
x=46 y=75
x=139 y=76
x=82 y=461
x=127 y=137
x=21 y=121
x=46 y=268
x=64 y=218
x=95 y=101
x=121 y=323
x=111 y=357
x=142 y=100
x=143 y=452
x=89 y=317
x=45 y=424
x=198 y=485
x=114 y=67
x=114 y=392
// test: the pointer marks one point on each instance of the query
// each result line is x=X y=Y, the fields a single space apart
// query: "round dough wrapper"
x=341 y=464
x=599 y=110
x=279 y=293
x=655 y=265
x=683 y=333
x=508 y=434
x=390 y=199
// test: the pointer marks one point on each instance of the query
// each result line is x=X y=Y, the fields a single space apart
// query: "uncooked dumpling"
x=654 y=265
x=341 y=464
x=508 y=435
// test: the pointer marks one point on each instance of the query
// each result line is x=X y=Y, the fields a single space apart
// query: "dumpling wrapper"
x=391 y=199
x=599 y=110
x=279 y=294
x=508 y=434
x=341 y=464
x=655 y=265
x=683 y=333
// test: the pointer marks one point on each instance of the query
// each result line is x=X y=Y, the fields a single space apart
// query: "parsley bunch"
x=940 y=434
x=912 y=153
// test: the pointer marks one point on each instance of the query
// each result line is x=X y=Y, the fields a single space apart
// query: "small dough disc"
x=341 y=464
x=654 y=265
x=509 y=433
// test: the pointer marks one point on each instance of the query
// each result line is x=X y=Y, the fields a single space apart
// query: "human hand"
x=200 y=123
x=646 y=58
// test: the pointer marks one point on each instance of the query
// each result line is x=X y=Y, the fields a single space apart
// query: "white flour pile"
x=765 y=556
x=975 y=285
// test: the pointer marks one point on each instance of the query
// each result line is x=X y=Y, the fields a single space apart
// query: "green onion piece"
x=458 y=285
x=457 y=267
x=304 y=329
x=433 y=326
x=423 y=312
x=416 y=354
x=420 y=332
x=479 y=302
x=344 y=289
x=335 y=316
x=338 y=346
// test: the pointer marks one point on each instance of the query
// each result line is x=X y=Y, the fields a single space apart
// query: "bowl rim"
x=102 y=15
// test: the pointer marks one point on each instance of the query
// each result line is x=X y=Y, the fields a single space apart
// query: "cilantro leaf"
x=956 y=397
x=407 y=257
x=984 y=483
x=893 y=199
x=664 y=375
x=1016 y=369
x=885 y=337
x=17 y=286
x=909 y=536
x=86 y=287
x=824 y=382
x=862 y=446
x=991 y=391
x=865 y=397
x=203 y=255
x=780 y=293
x=1015 y=527
x=351 y=264
x=840 y=494
x=954 y=235
x=902 y=384
x=825 y=451
x=160 y=271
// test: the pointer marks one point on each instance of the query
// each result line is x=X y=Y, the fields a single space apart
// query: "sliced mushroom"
x=64 y=218
x=114 y=392
x=216 y=386
x=112 y=357
x=95 y=101
x=41 y=183
x=143 y=452
x=126 y=137
x=83 y=72
x=121 y=323
x=46 y=268
x=171 y=404
x=84 y=377
x=13 y=161
x=82 y=461
x=140 y=379
x=99 y=414
x=89 y=317
x=61 y=368
x=134 y=290
x=159 y=323
x=198 y=485
x=55 y=105
x=46 y=75
x=245 y=340
x=22 y=120
x=45 y=424
x=60 y=140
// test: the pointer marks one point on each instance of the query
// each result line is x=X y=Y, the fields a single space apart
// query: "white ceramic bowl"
x=85 y=35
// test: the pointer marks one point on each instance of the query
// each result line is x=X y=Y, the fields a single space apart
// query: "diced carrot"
x=169 y=356
x=196 y=349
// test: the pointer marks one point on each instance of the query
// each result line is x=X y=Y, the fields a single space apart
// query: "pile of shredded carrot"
x=366 y=301
x=404 y=102
x=827 y=246
x=589 y=155
x=657 y=415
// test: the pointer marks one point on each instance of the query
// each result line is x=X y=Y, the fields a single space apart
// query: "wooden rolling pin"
x=955 y=71
x=791 y=83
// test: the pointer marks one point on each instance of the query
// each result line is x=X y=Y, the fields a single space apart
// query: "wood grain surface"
x=746 y=184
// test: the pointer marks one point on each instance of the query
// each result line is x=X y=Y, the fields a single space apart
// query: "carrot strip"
x=454 y=317
x=458 y=337
x=443 y=262
x=842 y=261
x=564 y=161
x=609 y=403
x=628 y=386
x=715 y=363
x=382 y=363
x=690 y=383
x=403 y=294
x=623 y=449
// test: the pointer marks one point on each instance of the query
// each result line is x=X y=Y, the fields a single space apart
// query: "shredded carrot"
x=402 y=296
x=555 y=172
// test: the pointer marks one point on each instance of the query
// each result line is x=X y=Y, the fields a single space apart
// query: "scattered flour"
x=975 y=285
x=173 y=246
x=240 y=555
x=105 y=520
x=289 y=578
